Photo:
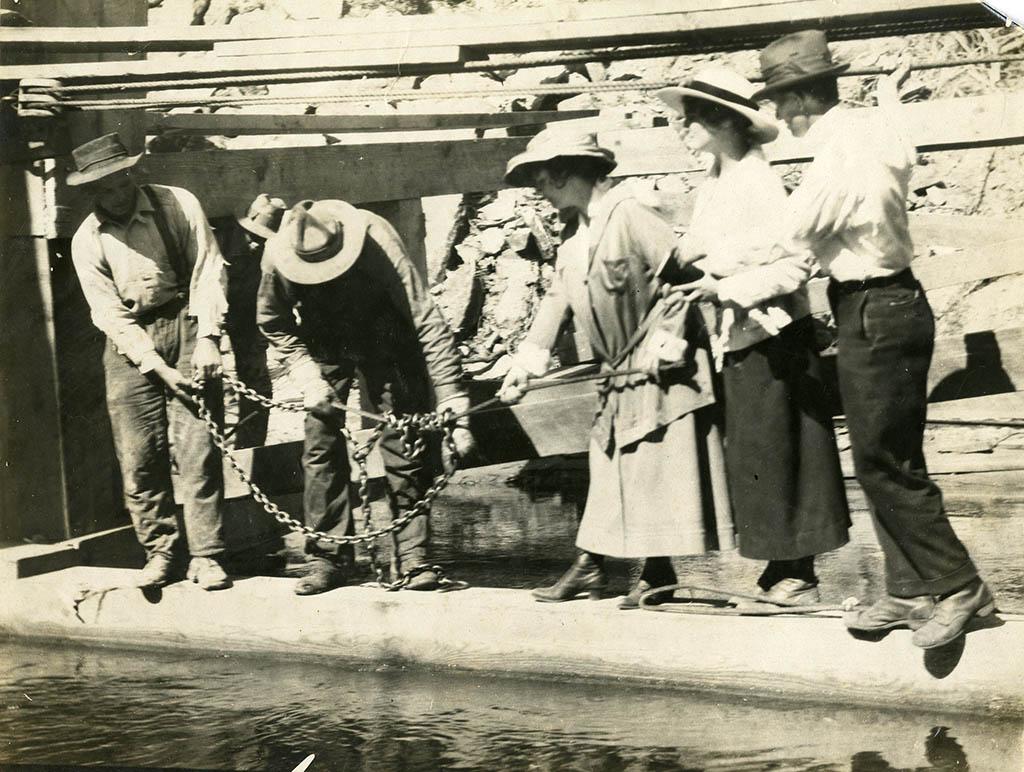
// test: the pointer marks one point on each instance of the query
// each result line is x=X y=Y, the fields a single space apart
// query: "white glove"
x=514 y=385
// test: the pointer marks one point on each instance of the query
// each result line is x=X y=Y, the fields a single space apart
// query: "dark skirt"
x=785 y=482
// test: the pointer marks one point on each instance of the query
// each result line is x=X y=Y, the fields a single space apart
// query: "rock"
x=440 y=215
x=514 y=305
x=491 y=240
x=461 y=298
x=518 y=239
x=498 y=370
x=515 y=270
x=500 y=210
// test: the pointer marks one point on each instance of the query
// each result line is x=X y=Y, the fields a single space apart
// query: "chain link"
x=418 y=424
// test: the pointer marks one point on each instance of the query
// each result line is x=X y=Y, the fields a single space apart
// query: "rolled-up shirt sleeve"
x=208 y=286
x=792 y=268
x=107 y=310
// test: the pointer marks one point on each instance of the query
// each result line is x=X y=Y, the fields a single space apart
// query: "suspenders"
x=175 y=254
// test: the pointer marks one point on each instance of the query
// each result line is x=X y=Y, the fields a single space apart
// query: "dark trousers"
x=886 y=338
x=325 y=461
x=150 y=427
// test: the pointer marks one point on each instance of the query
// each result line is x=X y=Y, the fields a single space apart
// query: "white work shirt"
x=850 y=208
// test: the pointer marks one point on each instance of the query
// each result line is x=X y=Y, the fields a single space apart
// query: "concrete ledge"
x=506 y=632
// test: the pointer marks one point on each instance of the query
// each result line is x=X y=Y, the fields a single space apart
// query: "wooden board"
x=225 y=181
x=558 y=26
x=506 y=632
x=174 y=68
x=232 y=123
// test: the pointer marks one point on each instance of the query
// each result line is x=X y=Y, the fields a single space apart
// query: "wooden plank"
x=232 y=123
x=707 y=17
x=990 y=261
x=187 y=67
x=226 y=180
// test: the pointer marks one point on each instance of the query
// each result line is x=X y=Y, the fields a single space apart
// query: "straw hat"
x=100 y=157
x=551 y=144
x=264 y=216
x=728 y=89
x=796 y=58
x=317 y=241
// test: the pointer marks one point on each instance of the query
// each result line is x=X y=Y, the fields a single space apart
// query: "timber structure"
x=58 y=480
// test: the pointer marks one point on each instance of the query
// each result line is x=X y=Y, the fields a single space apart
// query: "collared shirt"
x=125 y=271
x=850 y=208
x=736 y=222
x=379 y=310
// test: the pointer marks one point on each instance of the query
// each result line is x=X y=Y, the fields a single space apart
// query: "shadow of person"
x=941 y=751
x=982 y=373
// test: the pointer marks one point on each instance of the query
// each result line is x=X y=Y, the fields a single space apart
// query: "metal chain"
x=424 y=422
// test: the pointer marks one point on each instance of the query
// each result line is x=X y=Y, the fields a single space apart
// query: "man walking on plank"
x=850 y=210
x=340 y=294
x=153 y=276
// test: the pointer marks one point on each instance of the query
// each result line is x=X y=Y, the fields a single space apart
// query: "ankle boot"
x=658 y=572
x=585 y=575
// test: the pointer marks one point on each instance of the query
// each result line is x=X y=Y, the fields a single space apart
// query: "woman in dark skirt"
x=785 y=482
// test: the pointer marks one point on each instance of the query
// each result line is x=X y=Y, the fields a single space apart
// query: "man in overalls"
x=153 y=276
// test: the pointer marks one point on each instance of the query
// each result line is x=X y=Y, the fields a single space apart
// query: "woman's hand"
x=514 y=385
x=705 y=288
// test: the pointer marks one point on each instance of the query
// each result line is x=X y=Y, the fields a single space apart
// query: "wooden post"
x=61 y=478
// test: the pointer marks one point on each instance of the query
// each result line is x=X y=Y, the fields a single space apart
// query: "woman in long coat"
x=657 y=485
x=787 y=489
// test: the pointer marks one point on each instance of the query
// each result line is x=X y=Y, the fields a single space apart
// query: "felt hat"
x=551 y=144
x=723 y=87
x=796 y=58
x=264 y=216
x=317 y=241
x=99 y=157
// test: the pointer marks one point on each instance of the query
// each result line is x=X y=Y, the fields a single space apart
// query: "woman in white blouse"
x=789 y=501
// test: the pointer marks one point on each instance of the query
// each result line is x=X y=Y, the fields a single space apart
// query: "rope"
x=412 y=94
x=758 y=606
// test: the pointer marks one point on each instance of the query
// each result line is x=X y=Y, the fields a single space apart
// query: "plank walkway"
x=505 y=632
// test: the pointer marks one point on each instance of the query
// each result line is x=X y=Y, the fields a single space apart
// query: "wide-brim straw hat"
x=318 y=241
x=794 y=59
x=551 y=144
x=727 y=88
x=264 y=216
x=99 y=158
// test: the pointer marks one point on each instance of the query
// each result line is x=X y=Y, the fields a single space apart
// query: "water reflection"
x=217 y=712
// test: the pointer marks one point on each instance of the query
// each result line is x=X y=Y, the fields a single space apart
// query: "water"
x=71 y=706
x=78 y=706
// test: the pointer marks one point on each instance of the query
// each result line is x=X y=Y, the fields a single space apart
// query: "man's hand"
x=465 y=442
x=317 y=394
x=514 y=385
x=206 y=361
x=178 y=384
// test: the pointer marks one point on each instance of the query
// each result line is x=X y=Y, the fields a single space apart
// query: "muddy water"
x=68 y=706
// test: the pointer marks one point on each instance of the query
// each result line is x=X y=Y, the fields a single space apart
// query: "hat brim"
x=517 y=170
x=279 y=254
x=102 y=170
x=794 y=80
x=255 y=228
x=764 y=128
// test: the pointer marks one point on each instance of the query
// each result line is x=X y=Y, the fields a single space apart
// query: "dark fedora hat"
x=264 y=216
x=796 y=58
x=99 y=157
x=317 y=241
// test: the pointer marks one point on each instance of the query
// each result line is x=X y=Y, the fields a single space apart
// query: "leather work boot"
x=208 y=574
x=322 y=574
x=424 y=580
x=585 y=575
x=157 y=572
x=791 y=590
x=951 y=614
x=890 y=612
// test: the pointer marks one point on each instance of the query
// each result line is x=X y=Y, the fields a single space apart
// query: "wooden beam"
x=232 y=123
x=556 y=27
x=235 y=65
